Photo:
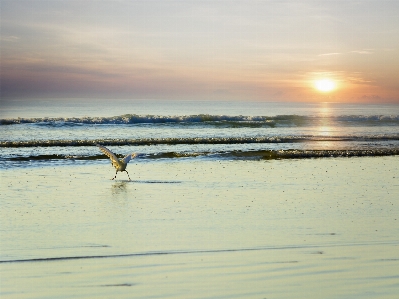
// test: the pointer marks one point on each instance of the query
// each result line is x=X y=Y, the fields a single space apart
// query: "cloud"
x=329 y=54
x=362 y=52
x=9 y=38
x=370 y=98
x=357 y=78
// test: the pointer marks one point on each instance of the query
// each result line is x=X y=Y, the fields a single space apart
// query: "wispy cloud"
x=357 y=79
x=362 y=52
x=329 y=54
x=10 y=38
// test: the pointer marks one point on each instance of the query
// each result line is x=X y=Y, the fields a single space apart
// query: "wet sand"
x=189 y=228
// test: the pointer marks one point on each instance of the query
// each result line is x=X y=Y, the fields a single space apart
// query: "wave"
x=148 y=141
x=145 y=119
x=192 y=140
x=239 y=120
x=229 y=155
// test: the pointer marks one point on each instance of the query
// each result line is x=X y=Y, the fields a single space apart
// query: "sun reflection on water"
x=325 y=127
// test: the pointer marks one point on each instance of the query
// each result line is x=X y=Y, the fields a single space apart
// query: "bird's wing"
x=109 y=154
x=127 y=158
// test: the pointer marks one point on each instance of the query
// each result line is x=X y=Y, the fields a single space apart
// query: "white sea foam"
x=193 y=141
x=200 y=118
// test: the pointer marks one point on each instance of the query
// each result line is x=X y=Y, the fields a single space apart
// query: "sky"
x=208 y=50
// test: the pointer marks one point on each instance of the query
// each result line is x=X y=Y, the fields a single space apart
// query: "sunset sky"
x=208 y=50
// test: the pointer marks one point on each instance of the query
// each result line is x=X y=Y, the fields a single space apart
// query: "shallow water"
x=195 y=228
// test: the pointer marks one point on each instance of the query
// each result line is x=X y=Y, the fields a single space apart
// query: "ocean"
x=226 y=199
x=50 y=131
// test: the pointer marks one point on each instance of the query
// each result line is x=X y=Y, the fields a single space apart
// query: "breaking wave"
x=192 y=140
x=239 y=120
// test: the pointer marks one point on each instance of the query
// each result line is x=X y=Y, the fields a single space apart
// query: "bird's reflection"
x=119 y=188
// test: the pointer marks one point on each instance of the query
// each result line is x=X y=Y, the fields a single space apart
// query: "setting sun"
x=325 y=85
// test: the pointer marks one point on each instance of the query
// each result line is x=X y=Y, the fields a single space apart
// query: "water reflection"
x=326 y=126
x=119 y=188
x=325 y=109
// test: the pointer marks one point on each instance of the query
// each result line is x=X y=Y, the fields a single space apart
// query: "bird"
x=120 y=165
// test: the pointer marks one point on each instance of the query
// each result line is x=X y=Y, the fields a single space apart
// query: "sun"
x=325 y=85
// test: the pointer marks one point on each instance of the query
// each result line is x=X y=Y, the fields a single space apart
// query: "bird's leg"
x=115 y=176
x=128 y=175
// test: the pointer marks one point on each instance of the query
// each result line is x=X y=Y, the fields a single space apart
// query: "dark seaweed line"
x=306 y=154
x=242 y=155
x=157 y=253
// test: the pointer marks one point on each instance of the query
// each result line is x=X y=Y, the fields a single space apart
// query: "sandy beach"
x=188 y=228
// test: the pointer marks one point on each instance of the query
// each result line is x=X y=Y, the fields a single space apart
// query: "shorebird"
x=120 y=165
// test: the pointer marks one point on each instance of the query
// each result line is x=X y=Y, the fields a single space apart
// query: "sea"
x=39 y=132
x=225 y=199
